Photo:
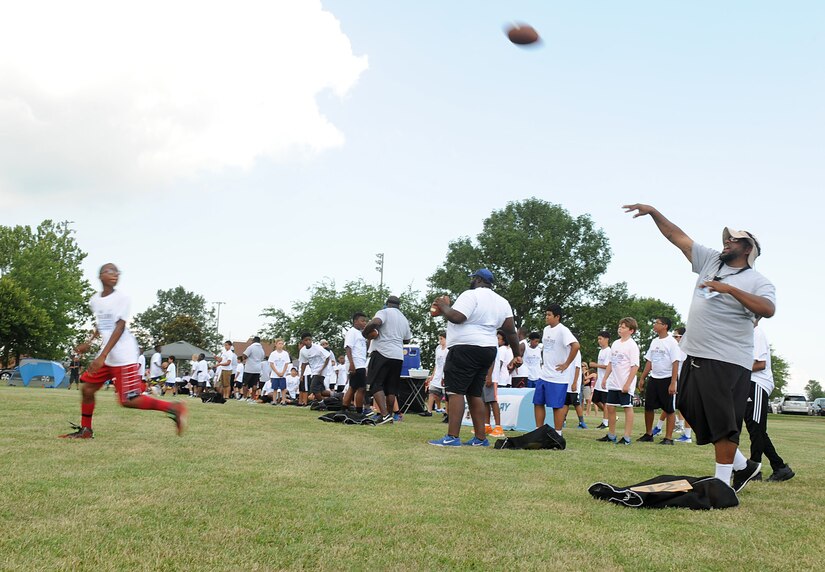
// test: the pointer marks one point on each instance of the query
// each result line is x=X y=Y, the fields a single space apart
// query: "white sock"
x=724 y=472
x=739 y=461
x=559 y=432
x=688 y=432
x=659 y=424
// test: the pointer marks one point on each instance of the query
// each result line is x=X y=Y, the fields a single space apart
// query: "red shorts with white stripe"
x=125 y=377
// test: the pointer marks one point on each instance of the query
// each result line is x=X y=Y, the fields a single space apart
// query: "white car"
x=795 y=403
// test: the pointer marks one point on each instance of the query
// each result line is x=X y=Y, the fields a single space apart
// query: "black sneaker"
x=384 y=420
x=741 y=478
x=426 y=414
x=647 y=438
x=81 y=433
x=445 y=420
x=783 y=474
x=623 y=441
x=607 y=439
x=664 y=441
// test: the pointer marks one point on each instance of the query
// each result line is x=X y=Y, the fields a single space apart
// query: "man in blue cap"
x=472 y=322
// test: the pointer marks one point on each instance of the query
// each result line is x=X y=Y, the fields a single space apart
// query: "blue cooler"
x=412 y=359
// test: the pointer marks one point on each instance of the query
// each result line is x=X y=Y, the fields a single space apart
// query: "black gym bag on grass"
x=545 y=437
x=695 y=493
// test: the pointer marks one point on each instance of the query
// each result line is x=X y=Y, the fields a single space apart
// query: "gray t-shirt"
x=254 y=356
x=393 y=331
x=720 y=327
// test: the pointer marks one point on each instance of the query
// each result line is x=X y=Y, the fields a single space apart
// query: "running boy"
x=117 y=360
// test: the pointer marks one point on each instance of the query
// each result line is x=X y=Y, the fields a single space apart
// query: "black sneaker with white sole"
x=743 y=476
x=385 y=420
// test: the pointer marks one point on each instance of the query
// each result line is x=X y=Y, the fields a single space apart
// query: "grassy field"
x=271 y=488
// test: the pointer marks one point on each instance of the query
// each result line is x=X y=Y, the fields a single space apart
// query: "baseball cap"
x=484 y=274
x=728 y=232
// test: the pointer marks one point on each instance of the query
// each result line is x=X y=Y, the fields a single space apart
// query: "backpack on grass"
x=544 y=437
x=695 y=493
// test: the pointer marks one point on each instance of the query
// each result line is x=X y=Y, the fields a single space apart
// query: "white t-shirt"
x=556 y=343
x=661 y=354
x=281 y=361
x=603 y=359
x=292 y=384
x=437 y=382
x=485 y=311
x=314 y=356
x=532 y=359
x=267 y=390
x=623 y=356
x=108 y=310
x=341 y=371
x=521 y=371
x=762 y=352
x=501 y=375
x=203 y=371
x=239 y=372
x=577 y=364
x=171 y=372
x=141 y=365
x=358 y=346
x=155 y=369
x=227 y=355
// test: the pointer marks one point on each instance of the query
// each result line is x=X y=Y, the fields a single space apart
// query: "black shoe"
x=426 y=414
x=445 y=420
x=607 y=439
x=783 y=474
x=741 y=478
x=647 y=438
x=664 y=441
x=384 y=420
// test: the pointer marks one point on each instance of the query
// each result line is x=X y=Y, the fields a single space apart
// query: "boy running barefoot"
x=621 y=380
x=118 y=360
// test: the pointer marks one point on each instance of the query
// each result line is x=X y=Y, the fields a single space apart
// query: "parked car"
x=819 y=406
x=795 y=403
x=774 y=405
x=10 y=375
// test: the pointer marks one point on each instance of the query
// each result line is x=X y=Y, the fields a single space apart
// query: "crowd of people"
x=705 y=380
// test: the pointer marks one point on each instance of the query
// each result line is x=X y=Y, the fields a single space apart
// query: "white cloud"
x=95 y=93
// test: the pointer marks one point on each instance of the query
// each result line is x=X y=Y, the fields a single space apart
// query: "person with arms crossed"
x=715 y=379
x=472 y=322
x=117 y=360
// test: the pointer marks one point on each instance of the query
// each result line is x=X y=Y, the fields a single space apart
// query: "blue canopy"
x=30 y=368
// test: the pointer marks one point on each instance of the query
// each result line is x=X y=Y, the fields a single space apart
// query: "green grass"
x=271 y=488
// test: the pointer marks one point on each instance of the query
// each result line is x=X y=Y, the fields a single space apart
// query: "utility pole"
x=379 y=266
x=218 y=324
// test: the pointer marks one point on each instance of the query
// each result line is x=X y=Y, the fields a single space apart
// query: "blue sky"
x=340 y=129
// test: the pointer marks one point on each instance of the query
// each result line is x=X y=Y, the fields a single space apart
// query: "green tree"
x=46 y=263
x=539 y=254
x=781 y=371
x=178 y=312
x=22 y=322
x=813 y=389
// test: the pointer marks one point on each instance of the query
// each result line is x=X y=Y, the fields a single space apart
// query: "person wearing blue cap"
x=472 y=322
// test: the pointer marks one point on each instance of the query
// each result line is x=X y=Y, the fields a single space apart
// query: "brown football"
x=435 y=311
x=522 y=34
x=372 y=335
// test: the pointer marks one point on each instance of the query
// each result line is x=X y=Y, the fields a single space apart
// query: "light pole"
x=218 y=320
x=379 y=266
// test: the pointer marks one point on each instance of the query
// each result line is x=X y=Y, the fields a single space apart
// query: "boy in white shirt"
x=621 y=380
x=435 y=383
x=239 y=377
x=663 y=366
x=573 y=391
x=499 y=375
x=355 y=347
x=279 y=362
x=532 y=359
x=559 y=351
x=171 y=375
x=293 y=382
x=600 y=387
x=341 y=374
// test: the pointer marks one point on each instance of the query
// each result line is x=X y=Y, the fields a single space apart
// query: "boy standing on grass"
x=621 y=380
x=500 y=373
x=117 y=360
x=600 y=387
x=171 y=377
x=573 y=392
x=355 y=347
x=663 y=366
x=559 y=351
x=532 y=359
x=435 y=383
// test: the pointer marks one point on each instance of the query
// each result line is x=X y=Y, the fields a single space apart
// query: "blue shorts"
x=550 y=394
x=531 y=383
x=278 y=383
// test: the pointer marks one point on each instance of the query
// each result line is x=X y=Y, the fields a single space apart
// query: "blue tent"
x=30 y=368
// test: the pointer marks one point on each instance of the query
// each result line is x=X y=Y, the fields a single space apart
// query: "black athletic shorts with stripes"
x=712 y=398
x=657 y=396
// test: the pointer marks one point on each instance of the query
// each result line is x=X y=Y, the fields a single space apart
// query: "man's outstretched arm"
x=670 y=231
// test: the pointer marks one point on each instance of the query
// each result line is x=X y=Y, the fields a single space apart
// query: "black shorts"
x=465 y=370
x=572 y=399
x=237 y=381
x=384 y=374
x=616 y=398
x=599 y=396
x=712 y=398
x=657 y=396
x=251 y=380
x=358 y=380
x=317 y=385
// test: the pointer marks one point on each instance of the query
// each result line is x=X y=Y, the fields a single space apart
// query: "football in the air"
x=522 y=34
